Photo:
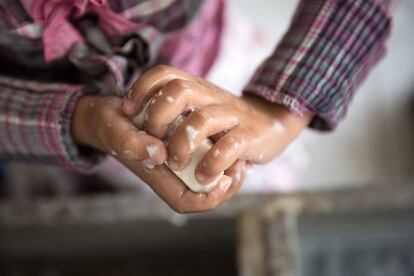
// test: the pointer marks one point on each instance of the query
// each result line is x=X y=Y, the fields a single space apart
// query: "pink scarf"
x=60 y=35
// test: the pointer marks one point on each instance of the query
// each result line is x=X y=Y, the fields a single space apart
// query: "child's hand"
x=246 y=128
x=177 y=195
x=98 y=122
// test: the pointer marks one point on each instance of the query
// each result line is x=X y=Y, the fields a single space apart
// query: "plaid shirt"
x=53 y=52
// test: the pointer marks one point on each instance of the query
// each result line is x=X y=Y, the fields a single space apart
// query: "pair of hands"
x=245 y=130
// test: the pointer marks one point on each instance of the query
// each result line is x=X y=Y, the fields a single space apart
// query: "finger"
x=149 y=84
x=191 y=202
x=121 y=139
x=173 y=192
x=162 y=181
x=177 y=97
x=237 y=173
x=222 y=155
x=198 y=126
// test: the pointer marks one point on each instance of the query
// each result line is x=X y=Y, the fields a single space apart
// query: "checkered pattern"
x=35 y=123
x=326 y=53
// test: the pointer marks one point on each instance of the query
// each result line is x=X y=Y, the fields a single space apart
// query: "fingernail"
x=237 y=177
x=225 y=184
x=129 y=154
x=148 y=164
x=153 y=152
x=173 y=164
x=129 y=94
x=128 y=105
x=201 y=176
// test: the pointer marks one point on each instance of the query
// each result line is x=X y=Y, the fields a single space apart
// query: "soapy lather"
x=187 y=175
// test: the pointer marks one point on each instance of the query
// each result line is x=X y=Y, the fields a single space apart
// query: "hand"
x=177 y=195
x=99 y=123
x=246 y=129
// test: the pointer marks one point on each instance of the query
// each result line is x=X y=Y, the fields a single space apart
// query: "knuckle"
x=101 y=107
x=201 y=116
x=175 y=149
x=156 y=70
x=180 y=211
x=153 y=125
x=231 y=143
x=213 y=203
x=161 y=69
x=124 y=146
x=178 y=84
x=177 y=207
x=104 y=111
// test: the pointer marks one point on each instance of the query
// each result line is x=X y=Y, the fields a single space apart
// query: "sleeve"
x=328 y=50
x=35 y=121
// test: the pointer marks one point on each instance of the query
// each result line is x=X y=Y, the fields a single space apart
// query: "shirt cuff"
x=35 y=124
x=327 y=52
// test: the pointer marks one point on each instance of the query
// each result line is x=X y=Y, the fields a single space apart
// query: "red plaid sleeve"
x=35 y=120
x=327 y=52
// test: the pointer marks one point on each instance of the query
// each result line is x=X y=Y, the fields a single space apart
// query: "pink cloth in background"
x=206 y=32
x=59 y=35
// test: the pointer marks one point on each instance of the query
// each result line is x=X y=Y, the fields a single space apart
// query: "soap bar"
x=187 y=175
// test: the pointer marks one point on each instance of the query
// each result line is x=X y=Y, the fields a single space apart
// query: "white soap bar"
x=187 y=175
x=139 y=120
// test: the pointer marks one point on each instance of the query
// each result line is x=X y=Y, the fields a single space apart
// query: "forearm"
x=82 y=132
x=291 y=123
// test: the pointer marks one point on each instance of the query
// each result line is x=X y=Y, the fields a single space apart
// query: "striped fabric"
x=328 y=50
x=35 y=123
x=326 y=53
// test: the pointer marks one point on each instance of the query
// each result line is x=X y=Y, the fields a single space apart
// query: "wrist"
x=279 y=112
x=81 y=122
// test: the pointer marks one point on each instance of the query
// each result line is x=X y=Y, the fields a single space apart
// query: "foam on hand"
x=187 y=175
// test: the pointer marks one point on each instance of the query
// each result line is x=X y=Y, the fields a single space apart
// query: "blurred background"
x=342 y=203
